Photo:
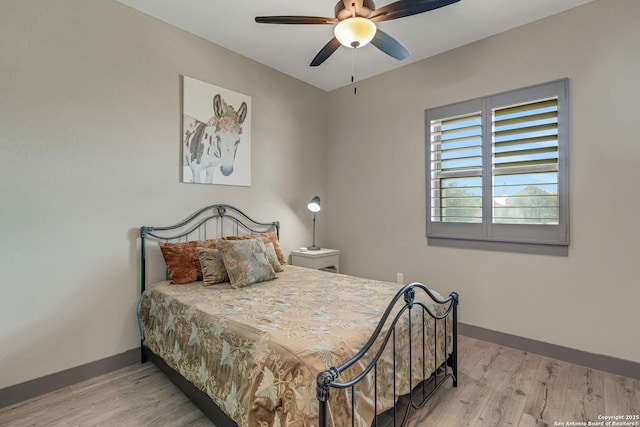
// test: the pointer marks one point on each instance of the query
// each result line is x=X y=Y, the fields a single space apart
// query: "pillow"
x=272 y=257
x=273 y=238
x=212 y=266
x=182 y=261
x=246 y=261
x=266 y=238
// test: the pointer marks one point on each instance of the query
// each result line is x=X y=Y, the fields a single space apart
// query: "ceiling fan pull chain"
x=353 y=71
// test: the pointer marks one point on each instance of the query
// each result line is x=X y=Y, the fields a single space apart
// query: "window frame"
x=487 y=230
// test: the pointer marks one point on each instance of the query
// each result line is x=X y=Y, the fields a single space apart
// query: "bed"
x=303 y=348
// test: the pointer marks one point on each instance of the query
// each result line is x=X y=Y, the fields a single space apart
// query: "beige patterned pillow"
x=212 y=266
x=272 y=257
x=266 y=238
x=246 y=261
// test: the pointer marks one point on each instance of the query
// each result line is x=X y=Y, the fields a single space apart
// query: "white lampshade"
x=314 y=204
x=355 y=32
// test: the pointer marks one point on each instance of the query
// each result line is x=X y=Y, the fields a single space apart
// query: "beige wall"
x=587 y=301
x=90 y=146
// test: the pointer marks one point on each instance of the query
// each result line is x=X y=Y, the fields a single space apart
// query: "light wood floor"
x=497 y=386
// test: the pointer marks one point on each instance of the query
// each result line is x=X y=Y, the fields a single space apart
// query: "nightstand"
x=323 y=259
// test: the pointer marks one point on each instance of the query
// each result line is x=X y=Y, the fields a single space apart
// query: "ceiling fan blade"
x=403 y=8
x=295 y=20
x=389 y=45
x=325 y=52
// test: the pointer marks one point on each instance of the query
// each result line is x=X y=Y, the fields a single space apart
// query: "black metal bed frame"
x=328 y=378
x=240 y=223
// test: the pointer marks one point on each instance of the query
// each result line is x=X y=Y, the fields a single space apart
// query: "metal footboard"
x=432 y=377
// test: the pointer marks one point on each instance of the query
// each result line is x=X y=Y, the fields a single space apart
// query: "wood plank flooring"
x=497 y=386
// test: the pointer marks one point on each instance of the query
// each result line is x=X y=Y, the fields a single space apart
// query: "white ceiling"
x=290 y=48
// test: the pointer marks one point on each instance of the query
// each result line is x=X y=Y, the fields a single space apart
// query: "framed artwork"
x=216 y=134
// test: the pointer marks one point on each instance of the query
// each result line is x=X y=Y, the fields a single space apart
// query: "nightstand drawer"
x=328 y=261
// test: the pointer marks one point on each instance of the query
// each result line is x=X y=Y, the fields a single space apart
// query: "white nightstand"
x=322 y=259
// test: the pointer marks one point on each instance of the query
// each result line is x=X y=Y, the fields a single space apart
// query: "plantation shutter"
x=456 y=164
x=525 y=163
x=497 y=169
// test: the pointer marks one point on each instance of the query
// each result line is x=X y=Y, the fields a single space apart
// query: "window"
x=497 y=167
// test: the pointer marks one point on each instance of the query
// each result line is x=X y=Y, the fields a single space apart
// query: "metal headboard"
x=207 y=223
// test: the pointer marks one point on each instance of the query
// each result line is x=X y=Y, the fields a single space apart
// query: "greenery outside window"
x=497 y=167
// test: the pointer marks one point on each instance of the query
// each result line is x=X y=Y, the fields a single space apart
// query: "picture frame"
x=216 y=134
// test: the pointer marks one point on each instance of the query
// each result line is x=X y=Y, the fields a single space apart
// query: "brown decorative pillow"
x=272 y=237
x=212 y=266
x=182 y=261
x=272 y=257
x=246 y=261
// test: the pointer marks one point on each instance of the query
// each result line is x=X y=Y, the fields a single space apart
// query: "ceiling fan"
x=355 y=24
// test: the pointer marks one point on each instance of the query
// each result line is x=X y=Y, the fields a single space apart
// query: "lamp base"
x=313 y=248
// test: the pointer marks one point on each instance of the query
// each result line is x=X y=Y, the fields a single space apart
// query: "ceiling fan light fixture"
x=355 y=32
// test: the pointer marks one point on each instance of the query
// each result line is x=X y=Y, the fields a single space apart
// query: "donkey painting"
x=214 y=143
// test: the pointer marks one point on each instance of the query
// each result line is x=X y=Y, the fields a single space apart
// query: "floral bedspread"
x=256 y=351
